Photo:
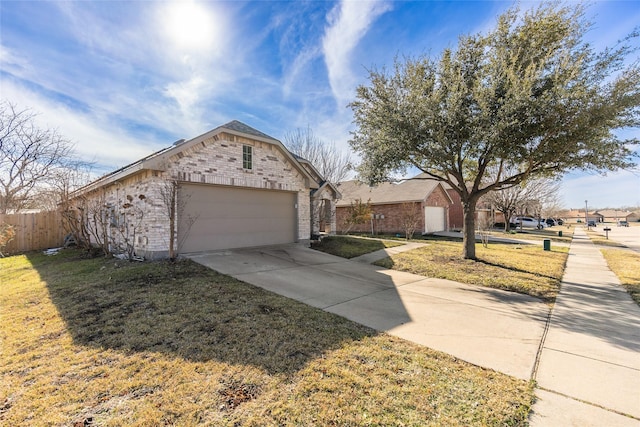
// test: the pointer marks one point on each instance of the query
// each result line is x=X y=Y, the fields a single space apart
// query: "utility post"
x=586 y=215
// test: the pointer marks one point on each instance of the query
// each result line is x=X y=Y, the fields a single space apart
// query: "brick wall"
x=390 y=224
x=144 y=219
x=456 y=219
x=216 y=161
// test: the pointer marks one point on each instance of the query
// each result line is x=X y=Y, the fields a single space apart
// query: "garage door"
x=228 y=217
x=434 y=219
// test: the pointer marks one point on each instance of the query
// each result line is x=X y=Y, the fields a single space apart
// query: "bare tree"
x=333 y=164
x=28 y=154
x=128 y=224
x=410 y=217
x=56 y=191
x=357 y=213
x=527 y=197
x=175 y=210
x=95 y=219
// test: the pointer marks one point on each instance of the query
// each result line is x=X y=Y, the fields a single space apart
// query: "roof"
x=415 y=189
x=242 y=128
x=614 y=213
x=157 y=160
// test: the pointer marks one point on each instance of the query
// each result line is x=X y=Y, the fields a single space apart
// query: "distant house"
x=235 y=187
x=577 y=215
x=615 y=215
x=390 y=201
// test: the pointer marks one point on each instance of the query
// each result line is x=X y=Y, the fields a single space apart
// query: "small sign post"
x=606 y=231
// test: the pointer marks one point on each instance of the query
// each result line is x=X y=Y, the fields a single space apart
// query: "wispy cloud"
x=96 y=138
x=348 y=23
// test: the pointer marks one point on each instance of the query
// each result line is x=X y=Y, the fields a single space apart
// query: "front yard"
x=626 y=265
x=526 y=269
x=111 y=343
x=523 y=268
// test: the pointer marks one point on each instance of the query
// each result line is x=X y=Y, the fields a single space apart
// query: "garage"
x=232 y=217
x=434 y=219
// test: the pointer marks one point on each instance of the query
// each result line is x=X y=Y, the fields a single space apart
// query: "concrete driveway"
x=490 y=328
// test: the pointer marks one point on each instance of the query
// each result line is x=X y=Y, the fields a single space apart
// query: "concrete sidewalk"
x=589 y=367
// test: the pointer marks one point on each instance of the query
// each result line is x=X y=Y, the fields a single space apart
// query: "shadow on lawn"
x=185 y=310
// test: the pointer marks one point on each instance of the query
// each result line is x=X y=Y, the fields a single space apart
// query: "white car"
x=529 y=222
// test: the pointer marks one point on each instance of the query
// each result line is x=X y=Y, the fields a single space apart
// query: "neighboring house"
x=634 y=216
x=236 y=187
x=615 y=215
x=577 y=215
x=390 y=201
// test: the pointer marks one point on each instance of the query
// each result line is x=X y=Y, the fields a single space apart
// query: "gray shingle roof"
x=241 y=127
x=411 y=190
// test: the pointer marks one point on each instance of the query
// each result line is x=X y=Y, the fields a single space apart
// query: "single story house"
x=615 y=215
x=390 y=201
x=231 y=187
x=577 y=215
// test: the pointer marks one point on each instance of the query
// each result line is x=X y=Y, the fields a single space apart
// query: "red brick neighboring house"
x=389 y=201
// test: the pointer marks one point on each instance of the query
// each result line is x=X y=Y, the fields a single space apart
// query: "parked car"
x=550 y=222
x=623 y=223
x=591 y=223
x=529 y=222
x=560 y=221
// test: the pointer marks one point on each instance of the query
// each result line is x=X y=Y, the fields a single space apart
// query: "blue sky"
x=124 y=79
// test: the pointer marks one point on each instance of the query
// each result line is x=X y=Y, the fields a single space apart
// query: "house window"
x=247 y=157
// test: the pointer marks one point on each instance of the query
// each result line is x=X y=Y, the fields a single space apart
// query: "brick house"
x=390 y=202
x=233 y=186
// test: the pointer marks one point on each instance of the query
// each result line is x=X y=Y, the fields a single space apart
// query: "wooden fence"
x=34 y=231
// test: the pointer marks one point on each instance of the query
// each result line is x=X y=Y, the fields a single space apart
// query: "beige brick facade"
x=213 y=160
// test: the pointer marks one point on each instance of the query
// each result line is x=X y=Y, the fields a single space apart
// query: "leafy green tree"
x=530 y=98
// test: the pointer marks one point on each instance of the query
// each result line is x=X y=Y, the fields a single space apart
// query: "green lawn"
x=148 y=344
x=351 y=247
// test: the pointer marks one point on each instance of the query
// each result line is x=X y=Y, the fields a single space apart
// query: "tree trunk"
x=507 y=219
x=469 y=232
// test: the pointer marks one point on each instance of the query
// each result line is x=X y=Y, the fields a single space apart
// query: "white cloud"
x=173 y=51
x=95 y=138
x=348 y=22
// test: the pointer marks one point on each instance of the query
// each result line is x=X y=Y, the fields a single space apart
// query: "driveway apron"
x=490 y=328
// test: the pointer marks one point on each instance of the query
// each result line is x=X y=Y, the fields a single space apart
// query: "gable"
x=229 y=135
x=219 y=160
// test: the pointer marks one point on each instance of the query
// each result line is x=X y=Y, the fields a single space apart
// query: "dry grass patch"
x=351 y=247
x=626 y=265
x=526 y=269
x=147 y=344
x=550 y=233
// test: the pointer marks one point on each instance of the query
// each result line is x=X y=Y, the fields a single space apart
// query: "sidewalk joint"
x=588 y=403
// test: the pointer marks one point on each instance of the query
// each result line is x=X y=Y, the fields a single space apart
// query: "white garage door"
x=228 y=217
x=434 y=219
